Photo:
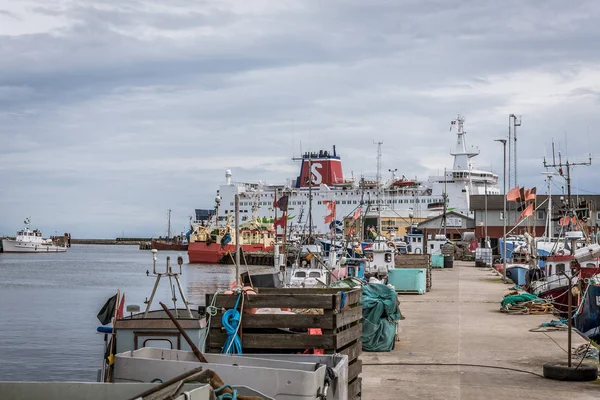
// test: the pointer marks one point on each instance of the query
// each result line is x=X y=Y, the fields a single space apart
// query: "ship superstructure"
x=321 y=178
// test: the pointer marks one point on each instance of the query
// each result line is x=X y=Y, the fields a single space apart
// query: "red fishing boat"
x=554 y=286
x=210 y=244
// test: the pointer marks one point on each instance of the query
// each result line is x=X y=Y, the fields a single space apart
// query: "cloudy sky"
x=113 y=111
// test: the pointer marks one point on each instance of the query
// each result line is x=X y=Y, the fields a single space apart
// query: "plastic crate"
x=410 y=280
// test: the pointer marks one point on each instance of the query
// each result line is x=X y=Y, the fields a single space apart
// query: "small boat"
x=517 y=273
x=309 y=268
x=31 y=241
x=175 y=243
x=380 y=255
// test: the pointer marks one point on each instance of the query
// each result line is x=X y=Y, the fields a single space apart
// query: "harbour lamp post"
x=503 y=141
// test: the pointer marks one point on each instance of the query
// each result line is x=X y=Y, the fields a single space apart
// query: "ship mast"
x=309 y=195
x=378 y=188
x=169 y=225
x=559 y=166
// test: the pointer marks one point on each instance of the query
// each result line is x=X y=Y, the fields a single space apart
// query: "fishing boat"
x=309 y=269
x=210 y=243
x=31 y=241
x=176 y=243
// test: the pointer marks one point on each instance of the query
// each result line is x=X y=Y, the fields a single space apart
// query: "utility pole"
x=504 y=216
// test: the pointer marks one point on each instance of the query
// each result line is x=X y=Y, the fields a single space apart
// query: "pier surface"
x=459 y=321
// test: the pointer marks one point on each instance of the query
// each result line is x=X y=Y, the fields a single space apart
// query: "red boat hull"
x=214 y=253
x=159 y=245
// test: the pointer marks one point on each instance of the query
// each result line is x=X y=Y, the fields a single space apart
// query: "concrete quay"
x=459 y=321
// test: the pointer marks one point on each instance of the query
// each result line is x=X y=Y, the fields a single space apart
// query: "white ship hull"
x=17 y=246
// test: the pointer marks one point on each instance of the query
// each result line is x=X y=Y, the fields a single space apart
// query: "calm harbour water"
x=49 y=302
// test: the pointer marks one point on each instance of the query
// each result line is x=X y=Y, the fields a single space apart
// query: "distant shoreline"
x=119 y=241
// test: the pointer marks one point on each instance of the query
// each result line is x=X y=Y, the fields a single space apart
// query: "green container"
x=412 y=280
x=437 y=260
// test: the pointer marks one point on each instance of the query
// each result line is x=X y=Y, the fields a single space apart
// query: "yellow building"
x=394 y=223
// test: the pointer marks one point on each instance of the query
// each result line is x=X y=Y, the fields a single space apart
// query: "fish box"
x=437 y=260
x=409 y=280
x=279 y=376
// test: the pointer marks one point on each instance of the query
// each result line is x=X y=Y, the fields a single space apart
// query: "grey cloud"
x=134 y=107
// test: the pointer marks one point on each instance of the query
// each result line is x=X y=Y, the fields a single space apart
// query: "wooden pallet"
x=339 y=318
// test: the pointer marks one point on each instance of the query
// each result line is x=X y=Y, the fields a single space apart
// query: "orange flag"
x=530 y=194
x=356 y=214
x=528 y=212
x=513 y=194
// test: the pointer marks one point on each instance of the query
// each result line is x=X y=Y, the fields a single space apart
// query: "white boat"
x=321 y=179
x=30 y=241
x=309 y=269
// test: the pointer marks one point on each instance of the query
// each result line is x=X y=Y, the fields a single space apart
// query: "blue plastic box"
x=410 y=280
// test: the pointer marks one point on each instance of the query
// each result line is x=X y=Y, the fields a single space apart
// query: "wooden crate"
x=415 y=261
x=339 y=318
x=355 y=389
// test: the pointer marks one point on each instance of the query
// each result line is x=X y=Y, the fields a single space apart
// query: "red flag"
x=528 y=212
x=513 y=194
x=356 y=214
x=121 y=307
x=328 y=219
x=281 y=221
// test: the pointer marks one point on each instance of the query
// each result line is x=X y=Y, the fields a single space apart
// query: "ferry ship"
x=321 y=179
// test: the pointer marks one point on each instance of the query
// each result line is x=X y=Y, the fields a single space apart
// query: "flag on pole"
x=107 y=312
x=528 y=212
x=530 y=194
x=281 y=221
x=121 y=310
x=513 y=194
x=282 y=203
x=356 y=214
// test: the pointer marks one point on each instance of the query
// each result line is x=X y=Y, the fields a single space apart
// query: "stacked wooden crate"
x=337 y=314
x=415 y=261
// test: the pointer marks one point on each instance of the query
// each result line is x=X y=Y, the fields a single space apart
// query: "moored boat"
x=31 y=241
x=211 y=244
x=175 y=243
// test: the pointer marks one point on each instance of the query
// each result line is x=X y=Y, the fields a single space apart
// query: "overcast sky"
x=113 y=111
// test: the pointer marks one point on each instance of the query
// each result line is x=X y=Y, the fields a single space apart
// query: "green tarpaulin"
x=380 y=315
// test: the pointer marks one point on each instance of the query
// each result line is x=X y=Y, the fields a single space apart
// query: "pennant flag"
x=121 y=309
x=513 y=194
x=528 y=212
x=281 y=221
x=530 y=194
x=564 y=221
x=282 y=203
x=356 y=214
x=107 y=312
x=331 y=207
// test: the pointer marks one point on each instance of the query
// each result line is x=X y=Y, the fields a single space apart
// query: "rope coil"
x=231 y=322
